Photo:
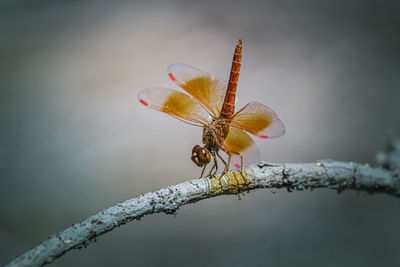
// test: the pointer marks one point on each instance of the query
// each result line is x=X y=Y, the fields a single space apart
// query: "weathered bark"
x=292 y=176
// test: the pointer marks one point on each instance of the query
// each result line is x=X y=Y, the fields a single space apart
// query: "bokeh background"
x=75 y=140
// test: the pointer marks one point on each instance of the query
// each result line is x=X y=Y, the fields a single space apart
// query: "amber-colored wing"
x=258 y=119
x=174 y=103
x=238 y=142
x=205 y=88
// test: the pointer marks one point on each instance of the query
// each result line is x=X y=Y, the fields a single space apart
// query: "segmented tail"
x=228 y=108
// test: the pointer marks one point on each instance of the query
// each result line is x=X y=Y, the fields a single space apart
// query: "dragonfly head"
x=200 y=156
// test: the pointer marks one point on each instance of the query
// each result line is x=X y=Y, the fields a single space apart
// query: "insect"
x=211 y=105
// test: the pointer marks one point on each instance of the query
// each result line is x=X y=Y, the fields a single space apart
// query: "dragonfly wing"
x=238 y=142
x=260 y=120
x=205 y=88
x=174 y=103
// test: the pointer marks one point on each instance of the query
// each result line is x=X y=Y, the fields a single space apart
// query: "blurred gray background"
x=75 y=140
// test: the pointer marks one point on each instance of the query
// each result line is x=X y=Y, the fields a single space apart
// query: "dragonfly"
x=210 y=104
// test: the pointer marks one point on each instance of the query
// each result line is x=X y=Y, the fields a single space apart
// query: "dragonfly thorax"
x=214 y=134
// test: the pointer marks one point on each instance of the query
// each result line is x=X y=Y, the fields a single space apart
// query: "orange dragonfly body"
x=211 y=105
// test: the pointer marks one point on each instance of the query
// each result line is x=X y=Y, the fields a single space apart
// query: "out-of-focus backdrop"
x=75 y=140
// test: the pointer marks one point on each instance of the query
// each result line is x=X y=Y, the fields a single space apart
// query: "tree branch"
x=391 y=157
x=292 y=176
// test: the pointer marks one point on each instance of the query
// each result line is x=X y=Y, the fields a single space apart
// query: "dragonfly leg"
x=229 y=162
x=202 y=171
x=226 y=165
x=215 y=164
x=241 y=164
x=209 y=174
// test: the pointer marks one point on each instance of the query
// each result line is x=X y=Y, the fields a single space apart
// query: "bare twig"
x=292 y=176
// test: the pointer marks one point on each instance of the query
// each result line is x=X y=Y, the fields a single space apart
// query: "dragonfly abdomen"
x=228 y=108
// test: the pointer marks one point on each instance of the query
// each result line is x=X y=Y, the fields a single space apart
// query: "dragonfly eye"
x=200 y=156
